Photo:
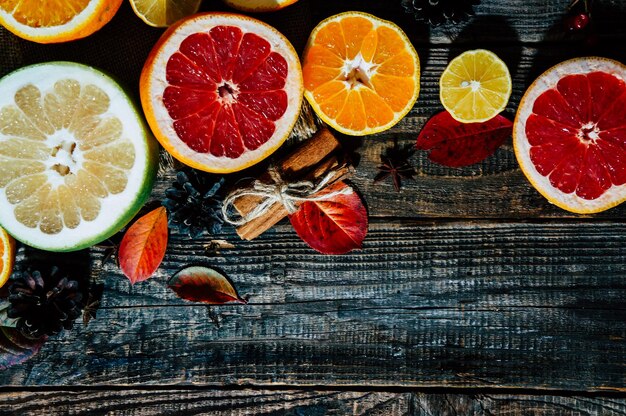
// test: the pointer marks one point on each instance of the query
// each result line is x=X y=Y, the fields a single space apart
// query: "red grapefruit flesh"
x=221 y=92
x=570 y=134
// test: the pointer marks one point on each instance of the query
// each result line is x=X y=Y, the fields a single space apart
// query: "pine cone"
x=194 y=203
x=43 y=306
x=437 y=12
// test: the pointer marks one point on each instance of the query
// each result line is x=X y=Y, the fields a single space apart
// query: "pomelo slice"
x=570 y=134
x=56 y=21
x=221 y=91
x=76 y=160
x=259 y=6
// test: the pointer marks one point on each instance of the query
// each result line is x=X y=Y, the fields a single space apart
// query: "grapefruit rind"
x=91 y=19
x=117 y=210
x=616 y=194
x=398 y=115
x=153 y=83
x=259 y=6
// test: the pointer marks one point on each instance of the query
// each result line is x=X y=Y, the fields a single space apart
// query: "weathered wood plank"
x=510 y=21
x=459 y=304
x=310 y=403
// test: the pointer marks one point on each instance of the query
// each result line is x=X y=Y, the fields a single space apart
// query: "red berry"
x=577 y=22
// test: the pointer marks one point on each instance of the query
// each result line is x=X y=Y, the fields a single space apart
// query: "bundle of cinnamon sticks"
x=312 y=159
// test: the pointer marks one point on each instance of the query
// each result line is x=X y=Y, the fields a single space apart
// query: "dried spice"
x=395 y=164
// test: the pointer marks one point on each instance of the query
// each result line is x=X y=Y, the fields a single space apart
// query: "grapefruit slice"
x=56 y=21
x=221 y=91
x=361 y=73
x=570 y=134
x=76 y=159
x=258 y=6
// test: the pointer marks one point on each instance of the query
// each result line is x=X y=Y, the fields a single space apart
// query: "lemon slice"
x=76 y=159
x=475 y=87
x=162 y=13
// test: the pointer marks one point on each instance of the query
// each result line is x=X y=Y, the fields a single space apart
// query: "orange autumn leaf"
x=143 y=247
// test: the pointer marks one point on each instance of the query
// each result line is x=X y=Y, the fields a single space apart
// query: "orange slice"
x=7 y=256
x=221 y=91
x=569 y=134
x=56 y=21
x=258 y=6
x=361 y=73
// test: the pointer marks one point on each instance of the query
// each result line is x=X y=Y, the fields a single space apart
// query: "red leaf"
x=455 y=144
x=143 y=247
x=333 y=226
x=16 y=348
x=201 y=284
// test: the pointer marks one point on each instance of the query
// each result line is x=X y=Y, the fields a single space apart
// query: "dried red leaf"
x=202 y=284
x=332 y=226
x=455 y=144
x=143 y=247
x=16 y=348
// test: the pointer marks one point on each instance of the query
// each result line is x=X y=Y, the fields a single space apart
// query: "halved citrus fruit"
x=475 y=86
x=258 y=6
x=56 y=21
x=76 y=159
x=162 y=13
x=221 y=91
x=570 y=134
x=7 y=256
x=361 y=73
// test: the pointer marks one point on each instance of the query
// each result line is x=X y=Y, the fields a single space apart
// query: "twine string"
x=287 y=194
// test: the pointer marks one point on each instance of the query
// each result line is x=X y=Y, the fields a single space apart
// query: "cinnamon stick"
x=309 y=161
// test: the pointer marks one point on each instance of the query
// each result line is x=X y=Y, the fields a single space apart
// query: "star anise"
x=395 y=164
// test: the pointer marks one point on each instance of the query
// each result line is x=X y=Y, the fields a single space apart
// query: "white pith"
x=157 y=84
x=113 y=207
x=548 y=80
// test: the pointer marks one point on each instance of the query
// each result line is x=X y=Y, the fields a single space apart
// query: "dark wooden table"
x=472 y=295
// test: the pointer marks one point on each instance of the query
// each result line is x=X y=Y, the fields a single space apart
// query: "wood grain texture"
x=299 y=403
x=460 y=304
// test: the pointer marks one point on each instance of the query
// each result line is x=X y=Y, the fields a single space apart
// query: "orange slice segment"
x=361 y=73
x=56 y=21
x=7 y=256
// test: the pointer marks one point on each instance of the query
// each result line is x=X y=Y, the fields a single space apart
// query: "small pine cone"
x=194 y=203
x=43 y=306
x=436 y=12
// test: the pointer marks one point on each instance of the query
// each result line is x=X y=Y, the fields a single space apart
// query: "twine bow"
x=287 y=194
